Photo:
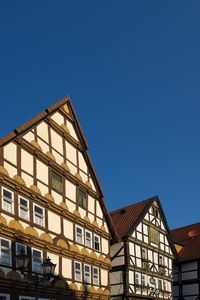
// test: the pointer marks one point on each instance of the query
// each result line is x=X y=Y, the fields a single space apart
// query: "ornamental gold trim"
x=19 y=179
x=88 y=184
x=92 y=290
x=100 y=257
x=65 y=128
x=31 y=231
x=65 y=108
x=103 y=228
x=65 y=166
x=35 y=189
x=13 y=275
x=106 y=292
x=50 y=155
x=99 y=291
x=78 y=176
x=61 y=243
x=3 y=171
x=46 y=237
x=95 y=223
x=73 y=286
x=93 y=255
x=36 y=145
x=49 y=197
x=84 y=251
x=86 y=218
x=76 y=213
x=108 y=261
x=3 y=221
x=16 y=225
x=74 y=248
x=63 y=205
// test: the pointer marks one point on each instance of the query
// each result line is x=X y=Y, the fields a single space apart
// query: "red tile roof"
x=125 y=218
x=191 y=245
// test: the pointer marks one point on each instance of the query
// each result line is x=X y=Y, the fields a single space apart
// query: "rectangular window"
x=82 y=199
x=161 y=260
x=164 y=285
x=56 y=181
x=77 y=271
x=23 y=208
x=144 y=253
x=95 y=276
x=4 y=297
x=5 y=252
x=38 y=215
x=88 y=239
x=79 y=235
x=87 y=274
x=97 y=243
x=143 y=280
x=7 y=201
x=154 y=236
x=160 y=284
x=20 y=247
x=36 y=261
x=137 y=279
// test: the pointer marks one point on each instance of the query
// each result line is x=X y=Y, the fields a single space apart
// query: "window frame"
x=34 y=216
x=77 y=236
x=93 y=276
x=97 y=236
x=87 y=231
x=60 y=191
x=11 y=202
x=32 y=264
x=5 y=295
x=75 y=271
x=82 y=205
x=10 y=252
x=24 y=246
x=28 y=207
x=88 y=274
x=136 y=279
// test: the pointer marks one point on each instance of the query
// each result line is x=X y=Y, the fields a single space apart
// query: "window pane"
x=56 y=181
x=154 y=235
x=36 y=261
x=7 y=194
x=82 y=201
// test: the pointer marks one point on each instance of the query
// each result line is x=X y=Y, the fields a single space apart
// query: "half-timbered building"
x=186 y=268
x=52 y=206
x=142 y=258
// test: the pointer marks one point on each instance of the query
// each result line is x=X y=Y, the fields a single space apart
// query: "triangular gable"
x=75 y=135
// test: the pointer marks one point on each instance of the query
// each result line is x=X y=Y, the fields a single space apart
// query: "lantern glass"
x=22 y=260
x=48 y=268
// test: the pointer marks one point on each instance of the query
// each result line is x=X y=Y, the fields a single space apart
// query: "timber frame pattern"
x=58 y=240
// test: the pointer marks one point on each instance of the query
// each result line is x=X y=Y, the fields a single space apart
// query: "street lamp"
x=22 y=261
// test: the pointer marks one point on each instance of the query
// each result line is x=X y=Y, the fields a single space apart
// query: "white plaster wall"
x=10 y=153
x=99 y=212
x=59 y=159
x=72 y=168
x=28 y=179
x=58 y=118
x=45 y=147
x=29 y=137
x=116 y=247
x=68 y=229
x=11 y=170
x=57 y=197
x=83 y=176
x=55 y=259
x=27 y=161
x=42 y=131
x=82 y=212
x=105 y=245
x=71 y=152
x=56 y=141
x=71 y=206
x=131 y=248
x=42 y=171
x=104 y=277
x=116 y=277
x=70 y=189
x=72 y=131
x=118 y=261
x=116 y=290
x=54 y=222
x=82 y=163
x=43 y=188
x=91 y=204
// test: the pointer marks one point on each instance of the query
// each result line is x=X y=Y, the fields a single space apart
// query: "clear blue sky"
x=132 y=69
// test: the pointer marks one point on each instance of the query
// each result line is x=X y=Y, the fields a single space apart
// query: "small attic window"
x=154 y=211
x=56 y=181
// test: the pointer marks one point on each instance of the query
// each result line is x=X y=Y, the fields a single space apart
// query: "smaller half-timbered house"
x=142 y=259
x=186 y=268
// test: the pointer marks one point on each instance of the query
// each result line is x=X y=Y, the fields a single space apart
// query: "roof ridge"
x=185 y=226
x=146 y=200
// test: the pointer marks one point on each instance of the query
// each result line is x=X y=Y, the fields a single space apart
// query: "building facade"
x=52 y=206
x=142 y=258
x=186 y=269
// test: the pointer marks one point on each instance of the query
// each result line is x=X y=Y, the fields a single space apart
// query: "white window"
x=88 y=239
x=4 y=297
x=5 y=252
x=143 y=280
x=95 y=276
x=137 y=280
x=20 y=247
x=38 y=215
x=36 y=260
x=7 y=202
x=79 y=235
x=77 y=271
x=23 y=208
x=97 y=242
x=87 y=274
